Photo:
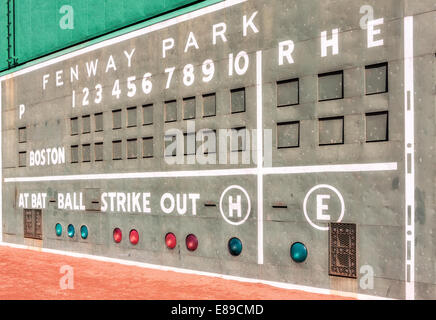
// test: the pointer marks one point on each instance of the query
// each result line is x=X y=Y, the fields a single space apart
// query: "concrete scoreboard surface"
x=334 y=104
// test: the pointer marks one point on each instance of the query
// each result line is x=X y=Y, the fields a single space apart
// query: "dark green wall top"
x=41 y=27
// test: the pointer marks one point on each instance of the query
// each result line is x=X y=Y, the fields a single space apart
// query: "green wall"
x=3 y=35
x=38 y=31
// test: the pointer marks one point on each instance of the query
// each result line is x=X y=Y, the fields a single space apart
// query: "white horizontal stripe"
x=216 y=173
x=282 y=285
x=138 y=175
x=158 y=26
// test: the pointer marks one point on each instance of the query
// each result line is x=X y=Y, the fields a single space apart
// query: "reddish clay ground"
x=28 y=274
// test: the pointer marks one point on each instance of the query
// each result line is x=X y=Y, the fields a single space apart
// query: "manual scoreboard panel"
x=261 y=139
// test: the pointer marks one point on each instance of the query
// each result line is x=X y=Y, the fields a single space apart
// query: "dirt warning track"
x=28 y=274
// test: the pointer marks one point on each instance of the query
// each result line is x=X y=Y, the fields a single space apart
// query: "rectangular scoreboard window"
x=116 y=119
x=288 y=135
x=117 y=150
x=74 y=124
x=171 y=111
x=189 y=108
x=132 y=148
x=288 y=93
x=74 y=154
x=86 y=124
x=238 y=100
x=209 y=105
x=98 y=151
x=22 y=158
x=377 y=126
x=147 y=147
x=239 y=139
x=131 y=117
x=189 y=143
x=22 y=135
x=86 y=153
x=376 y=78
x=331 y=86
x=98 y=122
x=147 y=114
x=208 y=140
x=170 y=141
x=331 y=131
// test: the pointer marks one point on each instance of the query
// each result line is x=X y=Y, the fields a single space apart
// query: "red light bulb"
x=170 y=240
x=117 y=235
x=134 y=236
x=191 y=242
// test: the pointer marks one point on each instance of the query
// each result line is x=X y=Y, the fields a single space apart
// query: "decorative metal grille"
x=342 y=250
x=32 y=223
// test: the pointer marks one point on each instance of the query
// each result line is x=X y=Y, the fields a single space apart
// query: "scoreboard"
x=285 y=141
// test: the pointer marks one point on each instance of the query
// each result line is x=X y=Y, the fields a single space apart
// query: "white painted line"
x=139 y=175
x=282 y=285
x=158 y=26
x=344 y=168
x=259 y=157
x=409 y=157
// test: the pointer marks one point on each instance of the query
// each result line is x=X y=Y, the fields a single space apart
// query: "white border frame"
x=259 y=171
x=409 y=157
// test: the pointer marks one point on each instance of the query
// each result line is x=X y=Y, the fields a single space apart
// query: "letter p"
x=22 y=110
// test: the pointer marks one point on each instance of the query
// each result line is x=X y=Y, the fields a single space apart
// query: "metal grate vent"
x=32 y=223
x=342 y=250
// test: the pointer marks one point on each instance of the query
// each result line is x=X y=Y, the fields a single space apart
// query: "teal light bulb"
x=58 y=229
x=235 y=246
x=298 y=252
x=84 y=232
x=71 y=231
